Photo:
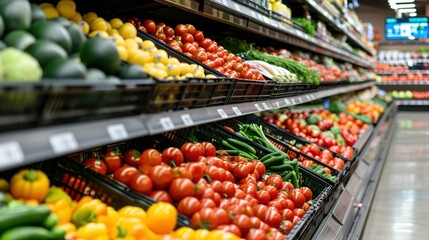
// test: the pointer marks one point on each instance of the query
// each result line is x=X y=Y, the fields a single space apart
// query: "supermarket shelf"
x=339 y=26
x=403 y=72
x=27 y=146
x=413 y=104
x=347 y=217
x=405 y=85
x=405 y=62
x=244 y=17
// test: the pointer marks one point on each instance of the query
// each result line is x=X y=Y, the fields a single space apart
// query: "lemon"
x=173 y=70
x=173 y=60
x=139 y=41
x=188 y=75
x=130 y=44
x=45 y=5
x=184 y=68
x=109 y=27
x=171 y=78
x=199 y=74
x=50 y=12
x=210 y=76
x=127 y=30
x=77 y=17
x=116 y=23
x=84 y=26
x=160 y=74
x=89 y=17
x=102 y=34
x=98 y=24
x=193 y=68
x=138 y=57
x=123 y=53
x=66 y=9
x=147 y=44
x=119 y=41
x=114 y=32
x=160 y=66
x=160 y=56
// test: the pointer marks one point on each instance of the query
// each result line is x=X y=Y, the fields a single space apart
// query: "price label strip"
x=166 y=123
x=187 y=120
x=258 y=107
x=117 y=132
x=222 y=113
x=63 y=142
x=12 y=153
x=236 y=110
x=266 y=107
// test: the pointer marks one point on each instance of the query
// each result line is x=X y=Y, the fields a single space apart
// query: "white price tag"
x=187 y=120
x=293 y=101
x=222 y=113
x=258 y=107
x=252 y=13
x=236 y=110
x=287 y=101
x=266 y=20
x=63 y=142
x=237 y=7
x=12 y=153
x=166 y=123
x=117 y=132
x=265 y=106
x=300 y=100
x=278 y=104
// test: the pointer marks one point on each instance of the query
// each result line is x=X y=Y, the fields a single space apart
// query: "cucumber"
x=241 y=145
x=268 y=156
x=288 y=176
x=50 y=222
x=23 y=216
x=282 y=168
x=228 y=145
x=232 y=152
x=27 y=233
x=274 y=161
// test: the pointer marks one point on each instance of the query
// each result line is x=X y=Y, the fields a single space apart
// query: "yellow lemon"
x=123 y=53
x=147 y=44
x=116 y=23
x=160 y=56
x=45 y=5
x=89 y=17
x=199 y=74
x=102 y=34
x=84 y=26
x=130 y=44
x=210 y=76
x=157 y=73
x=114 y=32
x=184 y=68
x=98 y=24
x=139 y=41
x=127 y=30
x=160 y=66
x=50 y=12
x=66 y=9
x=119 y=41
x=188 y=75
x=173 y=70
x=77 y=17
x=138 y=57
x=173 y=60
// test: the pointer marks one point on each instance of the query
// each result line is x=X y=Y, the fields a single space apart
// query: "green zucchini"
x=282 y=168
x=274 y=161
x=27 y=233
x=241 y=145
x=23 y=216
x=268 y=156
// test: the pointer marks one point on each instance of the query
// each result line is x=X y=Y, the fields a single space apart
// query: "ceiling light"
x=407 y=10
x=413 y=14
x=398 y=6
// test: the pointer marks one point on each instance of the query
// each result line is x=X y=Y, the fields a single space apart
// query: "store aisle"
x=400 y=207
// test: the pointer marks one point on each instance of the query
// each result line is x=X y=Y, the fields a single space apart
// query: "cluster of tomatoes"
x=190 y=41
x=227 y=193
x=325 y=156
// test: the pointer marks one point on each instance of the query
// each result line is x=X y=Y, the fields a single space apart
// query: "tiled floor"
x=400 y=208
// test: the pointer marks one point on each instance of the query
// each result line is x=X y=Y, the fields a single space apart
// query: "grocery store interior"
x=214 y=119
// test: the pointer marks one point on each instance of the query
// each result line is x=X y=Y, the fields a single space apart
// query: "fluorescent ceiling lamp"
x=413 y=14
x=407 y=10
x=401 y=1
x=398 y=6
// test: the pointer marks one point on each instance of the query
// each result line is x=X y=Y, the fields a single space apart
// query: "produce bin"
x=292 y=89
x=251 y=90
x=191 y=93
x=61 y=171
x=320 y=188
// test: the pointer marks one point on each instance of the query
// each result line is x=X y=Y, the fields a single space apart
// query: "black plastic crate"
x=192 y=93
x=320 y=188
x=20 y=105
x=72 y=102
x=251 y=90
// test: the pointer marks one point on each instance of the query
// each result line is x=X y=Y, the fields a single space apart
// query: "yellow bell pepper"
x=221 y=235
x=201 y=234
x=131 y=211
x=184 y=233
x=88 y=212
x=29 y=184
x=62 y=209
x=161 y=217
x=93 y=231
x=68 y=227
x=110 y=220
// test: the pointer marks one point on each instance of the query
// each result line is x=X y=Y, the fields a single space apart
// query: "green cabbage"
x=18 y=66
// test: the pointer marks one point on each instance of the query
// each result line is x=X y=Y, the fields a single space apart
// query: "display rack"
x=27 y=146
x=404 y=85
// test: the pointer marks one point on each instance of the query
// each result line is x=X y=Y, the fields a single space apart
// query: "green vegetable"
x=364 y=118
x=309 y=26
x=18 y=66
x=340 y=140
x=281 y=168
x=313 y=119
x=335 y=130
x=320 y=170
x=254 y=133
x=50 y=222
x=329 y=134
x=28 y=233
x=315 y=128
x=232 y=152
x=242 y=145
x=23 y=216
x=274 y=161
x=271 y=155
x=302 y=121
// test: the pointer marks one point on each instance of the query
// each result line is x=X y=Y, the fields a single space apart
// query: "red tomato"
x=200 y=189
x=150 y=157
x=275 y=180
x=241 y=170
x=296 y=219
x=198 y=35
x=141 y=183
x=181 y=172
x=217 y=186
x=286 y=226
x=197 y=170
x=181 y=188
x=249 y=189
x=299 y=212
x=200 y=55
x=287 y=214
x=149 y=25
x=222 y=216
x=232 y=228
x=161 y=176
x=207 y=203
x=124 y=174
x=297 y=198
x=273 y=218
x=218 y=62
x=263 y=197
x=172 y=156
x=212 y=172
x=228 y=189
x=188 y=206
x=260 y=167
x=256 y=234
x=308 y=194
x=191 y=28
x=287 y=187
x=256 y=222
x=249 y=179
x=132 y=157
x=229 y=177
x=95 y=165
x=243 y=222
x=239 y=194
x=275 y=204
x=189 y=48
x=187 y=38
x=222 y=174
x=113 y=161
x=161 y=196
x=205 y=218
x=260 y=211
x=272 y=191
x=168 y=31
x=180 y=29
